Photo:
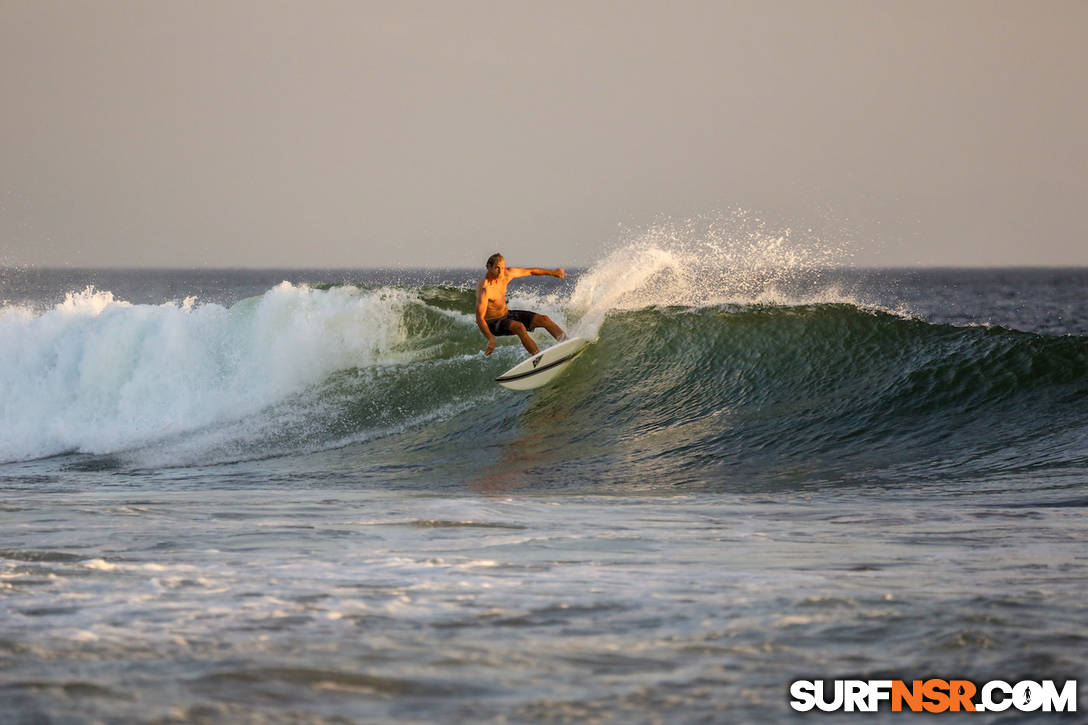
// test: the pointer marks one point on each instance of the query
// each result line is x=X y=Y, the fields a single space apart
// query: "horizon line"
x=293 y=268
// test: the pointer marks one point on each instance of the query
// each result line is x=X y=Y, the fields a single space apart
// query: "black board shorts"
x=501 y=325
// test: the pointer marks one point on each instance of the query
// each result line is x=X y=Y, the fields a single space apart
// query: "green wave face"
x=737 y=396
x=831 y=390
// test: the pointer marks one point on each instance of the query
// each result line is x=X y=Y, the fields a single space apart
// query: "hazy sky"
x=313 y=133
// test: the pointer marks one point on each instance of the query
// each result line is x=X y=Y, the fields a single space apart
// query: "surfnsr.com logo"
x=933 y=695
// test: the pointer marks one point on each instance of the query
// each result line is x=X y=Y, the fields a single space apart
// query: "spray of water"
x=734 y=258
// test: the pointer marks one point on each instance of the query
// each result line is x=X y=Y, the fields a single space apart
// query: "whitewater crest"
x=97 y=374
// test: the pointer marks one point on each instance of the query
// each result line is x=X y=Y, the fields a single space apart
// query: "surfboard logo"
x=536 y=360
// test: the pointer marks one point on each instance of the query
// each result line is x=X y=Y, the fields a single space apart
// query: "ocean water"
x=298 y=497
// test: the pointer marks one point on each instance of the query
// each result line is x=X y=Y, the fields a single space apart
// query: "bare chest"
x=496 y=297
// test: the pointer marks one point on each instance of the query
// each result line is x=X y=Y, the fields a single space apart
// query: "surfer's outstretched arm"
x=535 y=271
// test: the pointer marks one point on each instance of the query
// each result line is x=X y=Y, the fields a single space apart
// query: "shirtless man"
x=495 y=319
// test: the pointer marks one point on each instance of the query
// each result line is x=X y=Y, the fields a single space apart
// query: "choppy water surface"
x=228 y=499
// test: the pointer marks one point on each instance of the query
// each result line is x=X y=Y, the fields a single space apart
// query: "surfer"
x=494 y=318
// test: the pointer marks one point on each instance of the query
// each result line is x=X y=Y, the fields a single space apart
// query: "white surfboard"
x=544 y=366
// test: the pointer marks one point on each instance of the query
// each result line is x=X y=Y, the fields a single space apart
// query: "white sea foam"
x=96 y=374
